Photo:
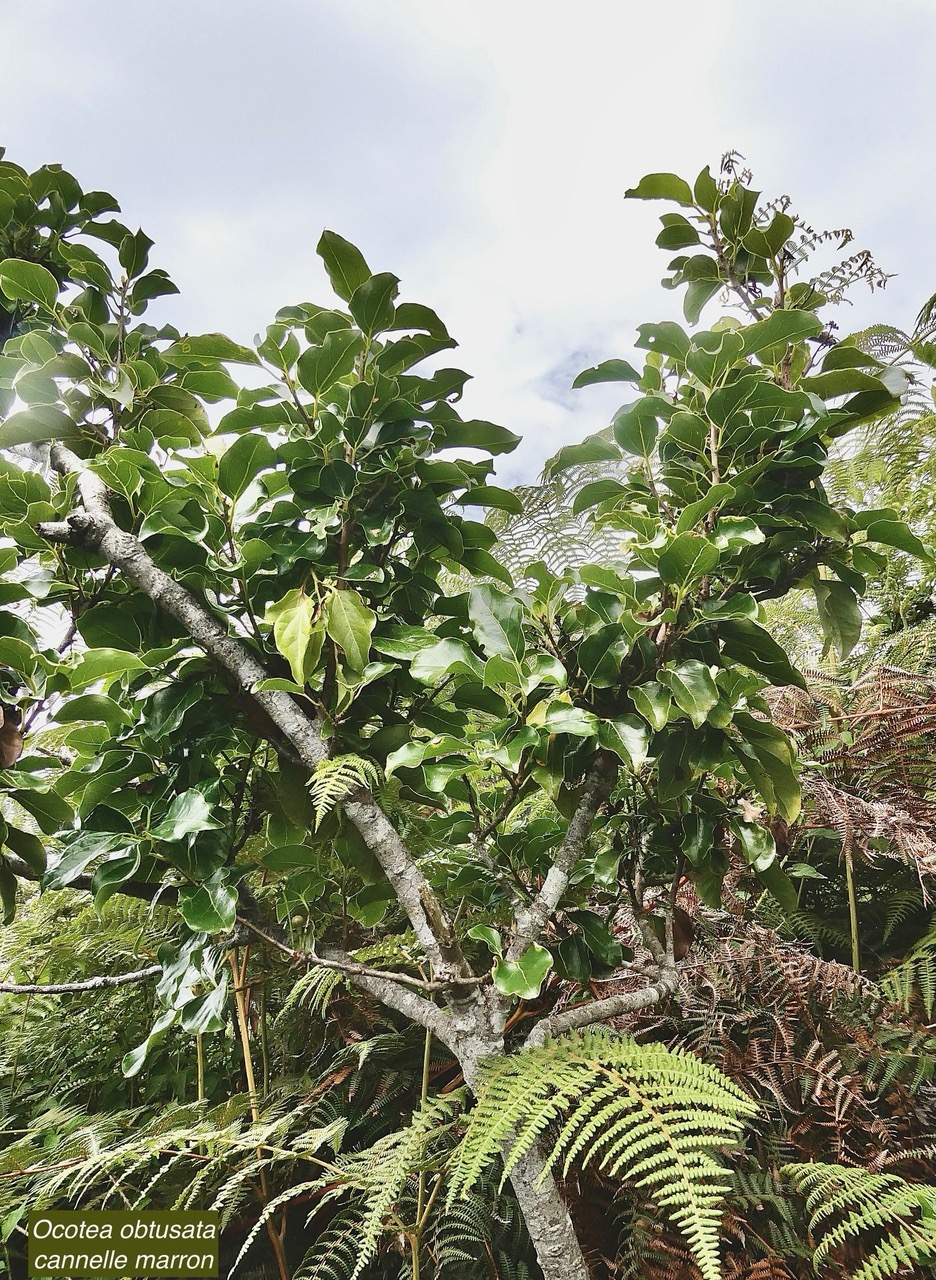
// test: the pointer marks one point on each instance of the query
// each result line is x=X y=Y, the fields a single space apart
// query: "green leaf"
x=486 y=495
x=319 y=368
x=34 y=425
x=745 y=641
x=28 y=282
x=665 y=339
x=698 y=837
x=208 y=908
x=560 y=717
x=687 y=559
x=476 y=434
x=661 y=186
x=635 y=426
x=896 y=533
x=208 y=346
x=839 y=615
x=189 y=812
x=93 y=706
x=768 y=758
x=692 y=687
x=288 y=857
x=598 y=937
x=206 y=1013
x=133 y=1061
x=7 y=892
x=756 y=842
x=607 y=371
x=247 y=457
x=780 y=327
x=695 y=512
x=442 y=658
x=349 y=622
x=28 y=847
x=627 y=737
x=497 y=620
x=594 y=492
x=103 y=664
x=295 y=633
x=597 y=448
x=78 y=854
x=778 y=884
x=489 y=936
x=653 y=701
x=523 y=978
x=733 y=533
x=372 y=303
x=345 y=264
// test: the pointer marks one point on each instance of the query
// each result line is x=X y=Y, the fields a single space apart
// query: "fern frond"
x=334 y=1254
x=915 y=976
x=844 y=1204
x=644 y=1113
x=334 y=779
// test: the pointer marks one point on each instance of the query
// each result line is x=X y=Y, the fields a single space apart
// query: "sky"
x=480 y=151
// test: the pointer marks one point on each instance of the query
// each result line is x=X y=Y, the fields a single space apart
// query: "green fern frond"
x=651 y=1115
x=845 y=1203
x=334 y=1254
x=915 y=976
x=381 y=1172
x=334 y=779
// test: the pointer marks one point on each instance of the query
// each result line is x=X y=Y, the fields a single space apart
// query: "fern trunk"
x=547 y=1220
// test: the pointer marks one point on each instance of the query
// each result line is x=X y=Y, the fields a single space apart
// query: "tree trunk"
x=544 y=1211
x=547 y=1220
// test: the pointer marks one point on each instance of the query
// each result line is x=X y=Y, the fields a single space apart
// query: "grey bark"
x=89 y=984
x=531 y=921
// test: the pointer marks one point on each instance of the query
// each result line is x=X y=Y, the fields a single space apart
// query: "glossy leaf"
x=350 y=622
x=523 y=978
x=28 y=282
x=344 y=263
x=497 y=619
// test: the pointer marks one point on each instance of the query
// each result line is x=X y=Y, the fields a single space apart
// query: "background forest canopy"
x=541 y=894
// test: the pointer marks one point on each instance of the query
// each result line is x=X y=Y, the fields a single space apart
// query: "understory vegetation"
x=441 y=880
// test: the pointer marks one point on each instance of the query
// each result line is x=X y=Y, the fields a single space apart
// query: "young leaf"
x=349 y=622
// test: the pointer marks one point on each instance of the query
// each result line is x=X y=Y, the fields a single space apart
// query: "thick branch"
x=340 y=963
x=599 y=782
x=90 y=984
x=584 y=1015
x=412 y=1005
x=95 y=530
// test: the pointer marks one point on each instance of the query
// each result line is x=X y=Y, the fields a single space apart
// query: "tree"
x=295 y=696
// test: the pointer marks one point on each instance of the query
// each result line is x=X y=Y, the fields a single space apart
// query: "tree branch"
x=584 y=1015
x=599 y=782
x=95 y=530
x=89 y=984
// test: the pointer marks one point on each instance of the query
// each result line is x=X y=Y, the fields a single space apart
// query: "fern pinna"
x=847 y=1205
x=653 y=1116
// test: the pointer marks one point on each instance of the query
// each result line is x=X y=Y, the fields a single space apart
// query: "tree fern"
x=333 y=779
x=846 y=1205
x=651 y=1115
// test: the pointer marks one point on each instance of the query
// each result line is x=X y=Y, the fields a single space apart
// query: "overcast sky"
x=480 y=150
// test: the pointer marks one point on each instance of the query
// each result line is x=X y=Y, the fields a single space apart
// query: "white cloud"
x=479 y=150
